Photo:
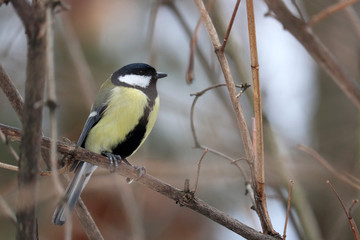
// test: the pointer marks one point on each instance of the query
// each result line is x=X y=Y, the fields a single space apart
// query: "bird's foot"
x=114 y=160
x=141 y=170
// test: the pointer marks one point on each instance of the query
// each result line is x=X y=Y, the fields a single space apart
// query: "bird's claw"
x=141 y=170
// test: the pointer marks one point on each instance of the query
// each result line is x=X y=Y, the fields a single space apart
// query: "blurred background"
x=301 y=105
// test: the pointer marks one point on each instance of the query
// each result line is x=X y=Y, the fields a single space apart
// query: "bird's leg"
x=114 y=164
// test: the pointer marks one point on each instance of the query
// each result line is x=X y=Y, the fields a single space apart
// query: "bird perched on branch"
x=121 y=118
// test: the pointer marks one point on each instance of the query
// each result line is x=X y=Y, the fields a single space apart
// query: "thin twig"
x=7 y=211
x=74 y=152
x=243 y=87
x=9 y=167
x=85 y=78
x=11 y=149
x=354 y=19
x=288 y=208
x=354 y=202
x=11 y=93
x=230 y=25
x=190 y=71
x=51 y=95
x=132 y=208
x=298 y=9
x=211 y=74
x=259 y=164
x=244 y=132
x=353 y=226
x=329 y=11
x=198 y=170
x=327 y=165
x=87 y=222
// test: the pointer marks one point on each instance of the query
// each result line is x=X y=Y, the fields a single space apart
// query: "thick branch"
x=316 y=49
x=73 y=152
x=34 y=20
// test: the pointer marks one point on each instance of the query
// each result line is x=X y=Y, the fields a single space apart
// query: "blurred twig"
x=7 y=211
x=325 y=164
x=316 y=49
x=11 y=149
x=74 y=152
x=51 y=99
x=9 y=167
x=288 y=208
x=354 y=19
x=132 y=207
x=85 y=78
x=353 y=226
x=330 y=10
x=150 y=34
x=34 y=18
x=11 y=93
x=88 y=224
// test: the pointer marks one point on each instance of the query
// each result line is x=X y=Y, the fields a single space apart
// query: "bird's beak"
x=160 y=75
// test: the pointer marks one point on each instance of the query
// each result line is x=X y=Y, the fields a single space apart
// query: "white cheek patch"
x=135 y=80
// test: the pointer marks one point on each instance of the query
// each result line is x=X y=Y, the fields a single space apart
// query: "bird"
x=121 y=118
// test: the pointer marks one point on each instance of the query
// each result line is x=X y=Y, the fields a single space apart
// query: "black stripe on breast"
x=134 y=138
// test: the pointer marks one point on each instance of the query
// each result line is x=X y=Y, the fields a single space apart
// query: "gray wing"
x=92 y=120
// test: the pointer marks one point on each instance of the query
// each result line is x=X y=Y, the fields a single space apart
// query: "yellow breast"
x=125 y=108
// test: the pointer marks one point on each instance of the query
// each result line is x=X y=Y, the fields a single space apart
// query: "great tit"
x=120 y=120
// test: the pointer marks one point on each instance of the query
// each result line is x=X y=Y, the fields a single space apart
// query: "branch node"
x=51 y=104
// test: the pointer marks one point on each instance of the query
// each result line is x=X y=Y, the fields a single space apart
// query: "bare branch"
x=11 y=150
x=330 y=10
x=74 y=152
x=34 y=20
x=245 y=135
x=9 y=167
x=325 y=164
x=51 y=101
x=316 y=49
x=198 y=170
x=353 y=226
x=288 y=208
x=87 y=222
x=85 y=78
x=230 y=25
x=243 y=87
x=11 y=93
x=190 y=71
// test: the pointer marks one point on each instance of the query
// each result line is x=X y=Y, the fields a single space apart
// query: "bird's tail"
x=67 y=204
